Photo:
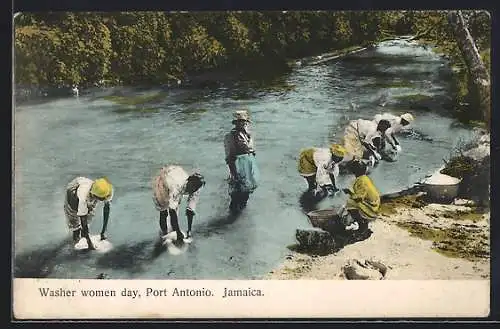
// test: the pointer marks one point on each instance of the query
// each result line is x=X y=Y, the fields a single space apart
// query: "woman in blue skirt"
x=240 y=158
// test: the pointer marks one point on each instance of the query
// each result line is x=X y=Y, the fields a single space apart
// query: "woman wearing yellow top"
x=320 y=167
x=364 y=199
x=82 y=196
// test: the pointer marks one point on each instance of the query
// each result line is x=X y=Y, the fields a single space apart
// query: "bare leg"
x=76 y=235
x=175 y=224
x=235 y=201
x=244 y=199
x=311 y=182
x=163 y=221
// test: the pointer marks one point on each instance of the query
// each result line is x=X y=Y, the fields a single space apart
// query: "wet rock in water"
x=315 y=240
x=102 y=276
x=364 y=270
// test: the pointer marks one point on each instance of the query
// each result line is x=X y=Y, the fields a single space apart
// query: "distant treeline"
x=60 y=49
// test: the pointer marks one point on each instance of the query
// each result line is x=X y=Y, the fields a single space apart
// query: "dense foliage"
x=60 y=49
x=434 y=28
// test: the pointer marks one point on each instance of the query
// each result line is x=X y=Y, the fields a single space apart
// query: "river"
x=91 y=135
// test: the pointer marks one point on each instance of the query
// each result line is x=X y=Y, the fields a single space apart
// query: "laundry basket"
x=322 y=218
x=441 y=188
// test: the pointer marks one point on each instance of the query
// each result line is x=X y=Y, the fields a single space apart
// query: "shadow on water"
x=139 y=110
x=437 y=103
x=131 y=257
x=41 y=262
x=217 y=225
x=308 y=202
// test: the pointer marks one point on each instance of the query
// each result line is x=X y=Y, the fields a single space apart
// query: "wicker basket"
x=320 y=218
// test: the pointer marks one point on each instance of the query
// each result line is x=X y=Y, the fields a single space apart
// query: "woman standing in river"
x=240 y=158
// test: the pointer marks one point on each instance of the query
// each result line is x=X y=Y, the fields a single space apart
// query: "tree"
x=139 y=43
x=477 y=71
x=33 y=66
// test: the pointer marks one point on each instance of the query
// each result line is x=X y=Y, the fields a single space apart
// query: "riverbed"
x=128 y=141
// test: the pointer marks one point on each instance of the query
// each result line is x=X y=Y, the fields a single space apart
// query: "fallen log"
x=325 y=59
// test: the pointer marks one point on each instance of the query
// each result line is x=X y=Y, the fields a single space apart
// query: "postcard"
x=245 y=164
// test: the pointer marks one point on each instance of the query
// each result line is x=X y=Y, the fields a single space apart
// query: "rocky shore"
x=415 y=238
x=436 y=242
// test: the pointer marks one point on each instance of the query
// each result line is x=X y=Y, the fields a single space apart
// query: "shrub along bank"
x=61 y=49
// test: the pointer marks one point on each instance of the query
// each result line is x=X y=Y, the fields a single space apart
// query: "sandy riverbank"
x=414 y=242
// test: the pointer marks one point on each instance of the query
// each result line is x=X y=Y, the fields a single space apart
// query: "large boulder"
x=319 y=241
x=315 y=240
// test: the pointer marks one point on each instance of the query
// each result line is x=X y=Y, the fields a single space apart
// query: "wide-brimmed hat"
x=101 y=188
x=241 y=115
x=408 y=117
x=338 y=150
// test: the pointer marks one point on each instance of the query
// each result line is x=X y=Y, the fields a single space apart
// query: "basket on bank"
x=322 y=218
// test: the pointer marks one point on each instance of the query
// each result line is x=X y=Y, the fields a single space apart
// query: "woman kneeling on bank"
x=364 y=199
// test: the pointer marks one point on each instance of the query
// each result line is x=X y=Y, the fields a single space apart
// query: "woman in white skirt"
x=169 y=187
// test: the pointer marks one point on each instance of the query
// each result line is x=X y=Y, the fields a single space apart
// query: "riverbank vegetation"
x=61 y=49
x=454 y=230
x=462 y=242
x=439 y=29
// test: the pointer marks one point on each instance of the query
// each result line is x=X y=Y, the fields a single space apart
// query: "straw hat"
x=338 y=150
x=407 y=117
x=241 y=115
x=101 y=188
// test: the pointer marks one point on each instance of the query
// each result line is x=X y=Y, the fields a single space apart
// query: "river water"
x=91 y=136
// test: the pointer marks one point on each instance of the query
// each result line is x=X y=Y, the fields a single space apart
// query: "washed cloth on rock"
x=169 y=187
x=366 y=130
x=80 y=202
x=247 y=174
x=318 y=161
x=365 y=197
